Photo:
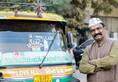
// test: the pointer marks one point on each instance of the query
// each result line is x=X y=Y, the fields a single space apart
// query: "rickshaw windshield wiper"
x=41 y=64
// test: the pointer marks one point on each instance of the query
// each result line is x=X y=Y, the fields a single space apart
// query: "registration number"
x=43 y=78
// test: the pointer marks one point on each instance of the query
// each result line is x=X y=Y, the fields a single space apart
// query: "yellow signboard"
x=43 y=78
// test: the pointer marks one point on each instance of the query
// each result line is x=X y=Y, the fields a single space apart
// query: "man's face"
x=97 y=32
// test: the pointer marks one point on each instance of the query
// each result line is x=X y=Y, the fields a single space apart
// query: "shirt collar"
x=102 y=42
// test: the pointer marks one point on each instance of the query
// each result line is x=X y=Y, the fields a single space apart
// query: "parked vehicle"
x=78 y=50
x=34 y=49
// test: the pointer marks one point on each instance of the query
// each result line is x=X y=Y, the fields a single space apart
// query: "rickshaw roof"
x=10 y=15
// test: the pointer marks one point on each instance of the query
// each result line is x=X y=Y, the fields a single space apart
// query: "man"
x=100 y=59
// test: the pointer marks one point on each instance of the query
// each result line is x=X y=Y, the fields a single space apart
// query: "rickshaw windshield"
x=27 y=35
x=29 y=41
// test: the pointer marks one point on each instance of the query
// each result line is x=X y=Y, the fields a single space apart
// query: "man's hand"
x=93 y=62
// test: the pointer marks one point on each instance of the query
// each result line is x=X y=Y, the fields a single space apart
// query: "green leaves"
x=105 y=6
x=16 y=4
x=80 y=10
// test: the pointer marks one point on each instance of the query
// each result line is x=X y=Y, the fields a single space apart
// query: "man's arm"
x=110 y=60
x=84 y=66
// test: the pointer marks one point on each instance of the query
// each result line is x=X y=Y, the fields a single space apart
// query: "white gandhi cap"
x=94 y=21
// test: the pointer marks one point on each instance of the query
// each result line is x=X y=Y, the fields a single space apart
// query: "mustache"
x=97 y=34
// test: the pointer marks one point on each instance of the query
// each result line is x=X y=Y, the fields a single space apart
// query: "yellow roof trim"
x=31 y=16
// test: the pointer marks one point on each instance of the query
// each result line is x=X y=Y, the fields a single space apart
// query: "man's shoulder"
x=114 y=41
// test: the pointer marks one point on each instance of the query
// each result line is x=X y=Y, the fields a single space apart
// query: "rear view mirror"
x=69 y=40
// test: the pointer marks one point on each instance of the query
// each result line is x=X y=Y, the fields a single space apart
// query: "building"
x=111 y=21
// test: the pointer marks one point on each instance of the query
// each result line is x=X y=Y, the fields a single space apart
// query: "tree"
x=80 y=10
x=56 y=6
x=75 y=11
x=18 y=4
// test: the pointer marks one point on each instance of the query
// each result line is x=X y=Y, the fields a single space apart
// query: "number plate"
x=43 y=78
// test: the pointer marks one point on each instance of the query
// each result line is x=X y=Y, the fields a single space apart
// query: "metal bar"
x=16 y=3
